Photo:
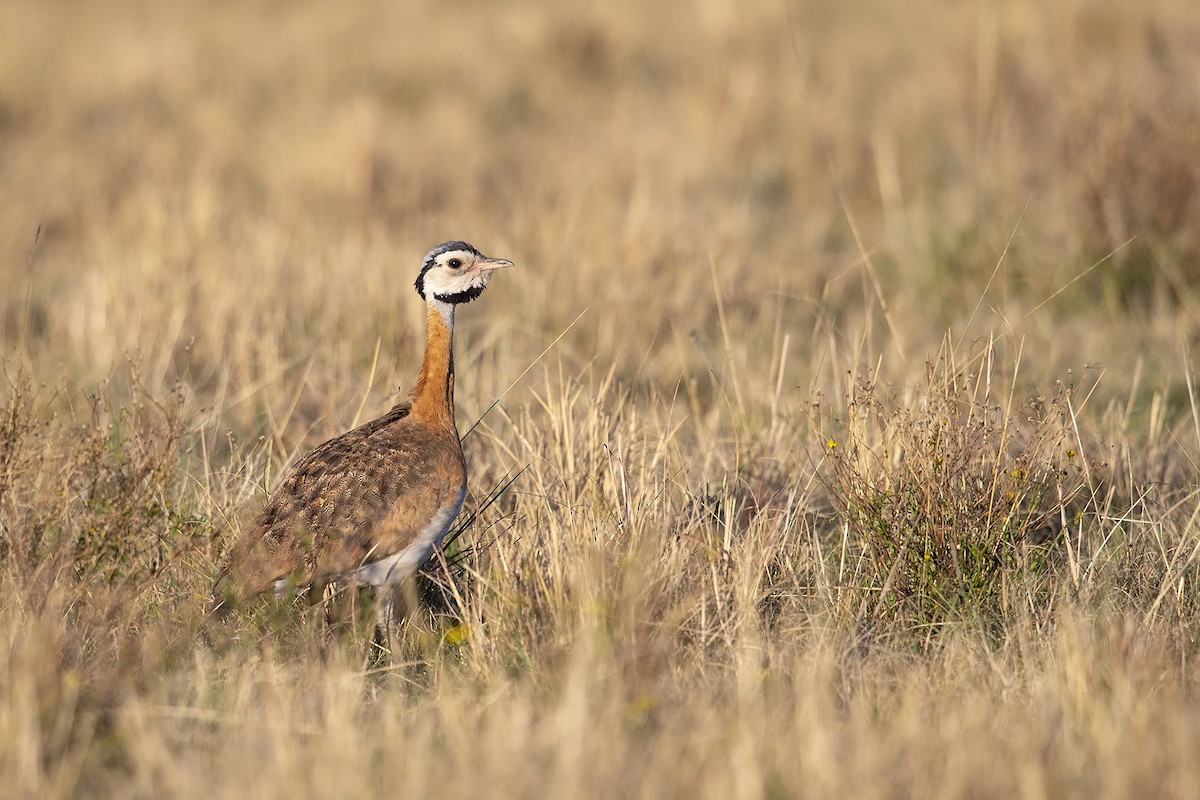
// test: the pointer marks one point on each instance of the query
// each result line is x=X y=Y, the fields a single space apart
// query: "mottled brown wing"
x=356 y=498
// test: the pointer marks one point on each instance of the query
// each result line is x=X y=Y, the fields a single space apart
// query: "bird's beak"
x=486 y=264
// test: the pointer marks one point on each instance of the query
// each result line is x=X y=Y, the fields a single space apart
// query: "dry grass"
x=861 y=461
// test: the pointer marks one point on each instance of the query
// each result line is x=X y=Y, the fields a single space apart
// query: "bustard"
x=370 y=506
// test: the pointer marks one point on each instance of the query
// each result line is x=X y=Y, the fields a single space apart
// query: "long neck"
x=433 y=396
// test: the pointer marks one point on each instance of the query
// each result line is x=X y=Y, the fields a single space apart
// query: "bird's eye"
x=454 y=263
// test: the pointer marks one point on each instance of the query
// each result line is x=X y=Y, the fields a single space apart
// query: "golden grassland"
x=837 y=435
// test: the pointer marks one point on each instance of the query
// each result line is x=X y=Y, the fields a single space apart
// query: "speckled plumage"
x=356 y=498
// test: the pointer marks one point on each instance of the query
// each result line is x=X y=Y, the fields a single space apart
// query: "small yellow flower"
x=1016 y=473
x=831 y=444
x=70 y=679
x=457 y=634
x=1070 y=453
x=641 y=709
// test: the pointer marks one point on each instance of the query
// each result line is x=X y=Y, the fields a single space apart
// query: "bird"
x=369 y=507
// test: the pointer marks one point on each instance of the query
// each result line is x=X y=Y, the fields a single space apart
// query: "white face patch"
x=451 y=276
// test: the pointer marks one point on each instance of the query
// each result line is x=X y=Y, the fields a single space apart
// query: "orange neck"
x=433 y=396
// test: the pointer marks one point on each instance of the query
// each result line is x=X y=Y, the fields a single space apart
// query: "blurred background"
x=235 y=190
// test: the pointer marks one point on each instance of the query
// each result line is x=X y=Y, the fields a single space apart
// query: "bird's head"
x=455 y=272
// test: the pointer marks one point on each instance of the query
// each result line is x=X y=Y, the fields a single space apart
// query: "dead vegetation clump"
x=960 y=499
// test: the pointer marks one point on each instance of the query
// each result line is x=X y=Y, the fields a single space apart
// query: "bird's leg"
x=395 y=608
x=385 y=612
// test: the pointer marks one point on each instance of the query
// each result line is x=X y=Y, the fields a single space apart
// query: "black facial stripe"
x=465 y=296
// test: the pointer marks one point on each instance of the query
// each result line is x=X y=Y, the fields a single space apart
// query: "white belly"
x=398 y=566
